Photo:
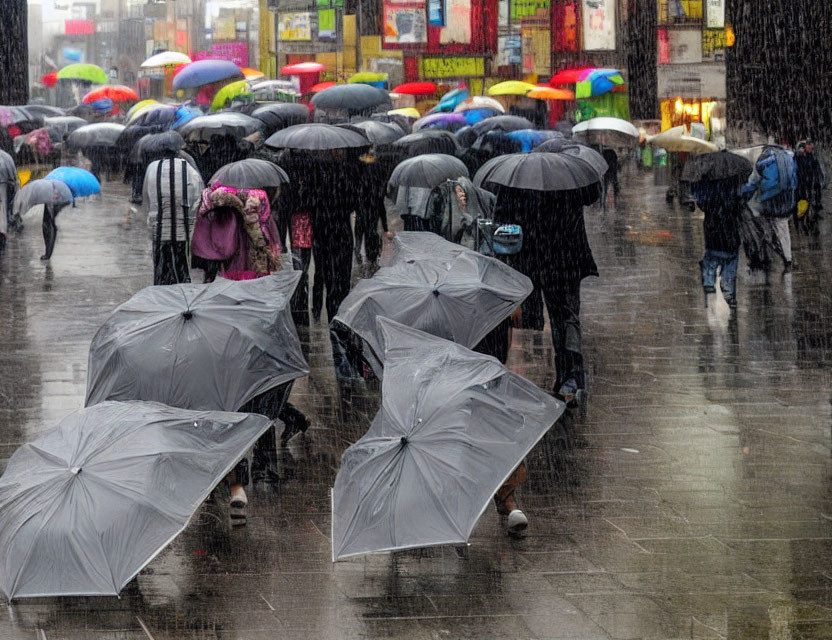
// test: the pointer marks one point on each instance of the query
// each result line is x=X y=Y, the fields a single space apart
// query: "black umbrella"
x=564 y=127
x=721 y=165
x=572 y=148
x=203 y=128
x=44 y=110
x=251 y=173
x=430 y=141
x=502 y=123
x=376 y=132
x=100 y=134
x=428 y=171
x=317 y=137
x=350 y=97
x=557 y=144
x=537 y=172
x=164 y=115
x=60 y=127
x=156 y=144
x=281 y=115
x=402 y=122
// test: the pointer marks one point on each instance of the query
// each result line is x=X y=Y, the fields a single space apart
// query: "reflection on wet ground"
x=690 y=500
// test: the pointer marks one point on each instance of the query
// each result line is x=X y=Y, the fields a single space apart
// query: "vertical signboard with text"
x=598 y=25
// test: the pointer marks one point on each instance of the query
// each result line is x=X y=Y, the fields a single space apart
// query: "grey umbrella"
x=435 y=286
x=213 y=346
x=280 y=115
x=251 y=173
x=163 y=143
x=203 y=128
x=99 y=134
x=50 y=192
x=585 y=153
x=428 y=171
x=60 y=127
x=350 y=97
x=89 y=503
x=8 y=169
x=537 y=172
x=376 y=132
x=8 y=186
x=452 y=427
x=502 y=123
x=317 y=137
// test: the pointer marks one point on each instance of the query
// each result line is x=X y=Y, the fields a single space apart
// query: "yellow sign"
x=452 y=67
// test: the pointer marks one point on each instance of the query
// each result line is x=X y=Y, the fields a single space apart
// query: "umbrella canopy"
x=8 y=170
x=596 y=82
x=18 y=116
x=351 y=97
x=204 y=72
x=80 y=182
x=430 y=141
x=252 y=74
x=376 y=132
x=278 y=90
x=60 y=127
x=81 y=71
x=162 y=115
x=531 y=138
x=407 y=112
x=502 y=123
x=588 y=155
x=281 y=115
x=240 y=90
x=510 y=88
x=453 y=426
x=321 y=86
x=198 y=346
x=479 y=102
x=203 y=128
x=450 y=100
x=441 y=120
x=251 y=173
x=569 y=76
x=50 y=79
x=436 y=286
x=138 y=106
x=300 y=68
x=89 y=503
x=367 y=77
x=155 y=144
x=166 y=59
x=416 y=88
x=44 y=110
x=51 y=192
x=550 y=93
x=537 y=172
x=185 y=113
x=316 y=137
x=721 y=165
x=98 y=134
x=428 y=170
x=607 y=131
x=116 y=93
x=676 y=139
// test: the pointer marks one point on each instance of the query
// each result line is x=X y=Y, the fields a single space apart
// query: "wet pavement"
x=691 y=499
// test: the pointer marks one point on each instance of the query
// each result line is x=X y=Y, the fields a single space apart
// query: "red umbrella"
x=50 y=79
x=116 y=93
x=302 y=67
x=416 y=88
x=567 y=76
x=321 y=86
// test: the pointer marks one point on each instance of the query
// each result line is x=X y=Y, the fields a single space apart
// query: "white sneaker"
x=516 y=522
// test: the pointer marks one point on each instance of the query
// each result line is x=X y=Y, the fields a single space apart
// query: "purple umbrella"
x=446 y=121
x=204 y=72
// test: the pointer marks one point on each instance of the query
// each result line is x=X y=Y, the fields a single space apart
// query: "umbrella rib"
x=436 y=500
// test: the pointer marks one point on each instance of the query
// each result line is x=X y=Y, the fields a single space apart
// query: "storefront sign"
x=454 y=67
x=715 y=14
x=458 y=23
x=294 y=26
x=436 y=13
x=326 y=24
x=684 y=46
x=599 y=25
x=405 y=23
x=528 y=8
x=704 y=81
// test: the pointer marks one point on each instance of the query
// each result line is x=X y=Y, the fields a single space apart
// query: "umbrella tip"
x=404 y=440
x=436 y=292
x=187 y=315
x=75 y=470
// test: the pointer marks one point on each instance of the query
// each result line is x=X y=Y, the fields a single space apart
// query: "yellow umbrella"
x=408 y=112
x=140 y=105
x=511 y=88
x=24 y=175
x=550 y=93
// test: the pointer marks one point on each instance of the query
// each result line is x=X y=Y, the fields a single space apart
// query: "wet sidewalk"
x=692 y=498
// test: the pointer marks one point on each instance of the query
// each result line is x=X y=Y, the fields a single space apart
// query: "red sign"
x=79 y=27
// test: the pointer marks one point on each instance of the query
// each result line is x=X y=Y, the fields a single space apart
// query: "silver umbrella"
x=89 y=503
x=453 y=426
x=98 y=134
x=435 y=286
x=198 y=346
x=49 y=192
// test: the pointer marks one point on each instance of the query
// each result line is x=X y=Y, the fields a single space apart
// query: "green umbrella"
x=231 y=92
x=367 y=77
x=81 y=71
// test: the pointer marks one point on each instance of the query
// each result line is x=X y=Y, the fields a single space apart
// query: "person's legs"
x=301 y=258
x=359 y=233
x=506 y=502
x=708 y=266
x=563 y=301
x=781 y=231
x=50 y=231
x=339 y=274
x=728 y=278
x=318 y=255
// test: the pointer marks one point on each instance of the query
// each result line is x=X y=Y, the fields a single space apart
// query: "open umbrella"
x=376 y=132
x=367 y=77
x=569 y=76
x=155 y=144
x=406 y=112
x=450 y=100
x=429 y=141
x=531 y=138
x=510 y=88
x=550 y=93
x=98 y=134
x=44 y=110
x=607 y=131
x=49 y=192
x=441 y=120
x=537 y=172
x=203 y=128
x=138 y=106
x=50 y=79
x=279 y=90
x=676 y=139
x=166 y=59
x=596 y=82
x=428 y=170
x=281 y=115
x=321 y=86
x=453 y=426
x=204 y=72
x=316 y=137
x=502 y=123
x=89 y=503
x=251 y=173
x=721 y=165
x=82 y=71
x=479 y=102
x=116 y=93
x=198 y=346
x=436 y=286
x=240 y=90
x=252 y=74
x=300 y=68
x=569 y=147
x=416 y=88
x=161 y=115
x=350 y=97
x=60 y=127
x=80 y=182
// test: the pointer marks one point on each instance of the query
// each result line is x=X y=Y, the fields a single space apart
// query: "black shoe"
x=787 y=266
x=295 y=424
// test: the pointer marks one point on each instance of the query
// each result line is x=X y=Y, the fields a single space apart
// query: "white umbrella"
x=479 y=102
x=165 y=59
x=607 y=131
x=676 y=139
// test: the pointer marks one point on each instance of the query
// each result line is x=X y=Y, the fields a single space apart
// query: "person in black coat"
x=370 y=209
x=556 y=256
x=810 y=180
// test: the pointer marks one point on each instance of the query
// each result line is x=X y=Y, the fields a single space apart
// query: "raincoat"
x=773 y=183
x=720 y=201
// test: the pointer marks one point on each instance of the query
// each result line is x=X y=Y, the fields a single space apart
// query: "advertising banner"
x=457 y=23
x=294 y=26
x=452 y=67
x=326 y=24
x=715 y=14
x=436 y=13
x=405 y=23
x=598 y=25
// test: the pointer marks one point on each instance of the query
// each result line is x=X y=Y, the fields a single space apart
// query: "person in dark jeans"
x=49 y=228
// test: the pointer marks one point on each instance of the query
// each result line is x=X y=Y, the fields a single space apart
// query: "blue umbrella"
x=80 y=182
x=184 y=114
x=105 y=105
x=531 y=138
x=204 y=72
x=473 y=116
x=448 y=121
x=451 y=99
